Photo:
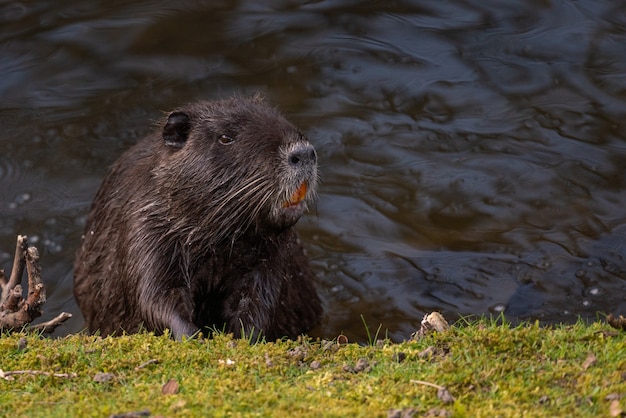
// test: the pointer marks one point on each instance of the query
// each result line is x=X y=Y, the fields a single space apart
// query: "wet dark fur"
x=188 y=229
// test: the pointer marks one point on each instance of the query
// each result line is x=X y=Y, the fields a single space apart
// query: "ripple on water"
x=14 y=176
x=11 y=170
x=472 y=153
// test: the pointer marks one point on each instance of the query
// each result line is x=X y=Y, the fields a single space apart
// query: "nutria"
x=192 y=228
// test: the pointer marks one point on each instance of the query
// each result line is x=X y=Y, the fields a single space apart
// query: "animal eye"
x=225 y=139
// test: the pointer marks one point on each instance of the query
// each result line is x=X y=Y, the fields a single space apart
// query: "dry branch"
x=19 y=260
x=17 y=312
x=49 y=326
x=9 y=375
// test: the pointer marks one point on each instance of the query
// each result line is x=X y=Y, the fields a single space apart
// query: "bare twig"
x=422 y=382
x=442 y=392
x=13 y=299
x=3 y=281
x=19 y=261
x=9 y=375
x=35 y=284
x=49 y=326
x=146 y=364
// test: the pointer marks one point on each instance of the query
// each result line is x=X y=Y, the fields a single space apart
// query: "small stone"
x=22 y=343
x=437 y=412
x=394 y=413
x=362 y=365
x=328 y=345
x=315 y=365
x=298 y=353
x=612 y=397
x=402 y=413
x=103 y=377
x=444 y=395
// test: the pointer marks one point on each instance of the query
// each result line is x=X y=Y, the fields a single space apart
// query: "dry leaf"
x=170 y=388
x=591 y=360
x=615 y=410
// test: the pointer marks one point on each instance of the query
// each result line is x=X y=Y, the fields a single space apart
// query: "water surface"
x=473 y=153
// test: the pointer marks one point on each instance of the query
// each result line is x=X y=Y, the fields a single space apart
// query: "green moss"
x=491 y=370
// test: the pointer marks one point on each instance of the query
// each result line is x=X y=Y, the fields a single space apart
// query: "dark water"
x=473 y=152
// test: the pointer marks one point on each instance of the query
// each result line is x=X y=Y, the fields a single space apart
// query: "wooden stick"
x=19 y=261
x=9 y=375
x=422 y=382
x=51 y=325
x=3 y=281
x=33 y=268
x=13 y=299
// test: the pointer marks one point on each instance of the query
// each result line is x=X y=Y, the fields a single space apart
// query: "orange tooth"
x=297 y=196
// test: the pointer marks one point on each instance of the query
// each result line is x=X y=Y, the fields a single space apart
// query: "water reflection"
x=472 y=152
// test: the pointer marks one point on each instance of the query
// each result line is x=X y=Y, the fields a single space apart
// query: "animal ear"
x=176 y=129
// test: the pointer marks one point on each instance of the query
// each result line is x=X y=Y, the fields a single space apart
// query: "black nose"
x=302 y=155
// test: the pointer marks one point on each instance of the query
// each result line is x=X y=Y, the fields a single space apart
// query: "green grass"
x=491 y=370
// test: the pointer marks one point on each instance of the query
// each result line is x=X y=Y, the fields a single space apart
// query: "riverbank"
x=473 y=369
